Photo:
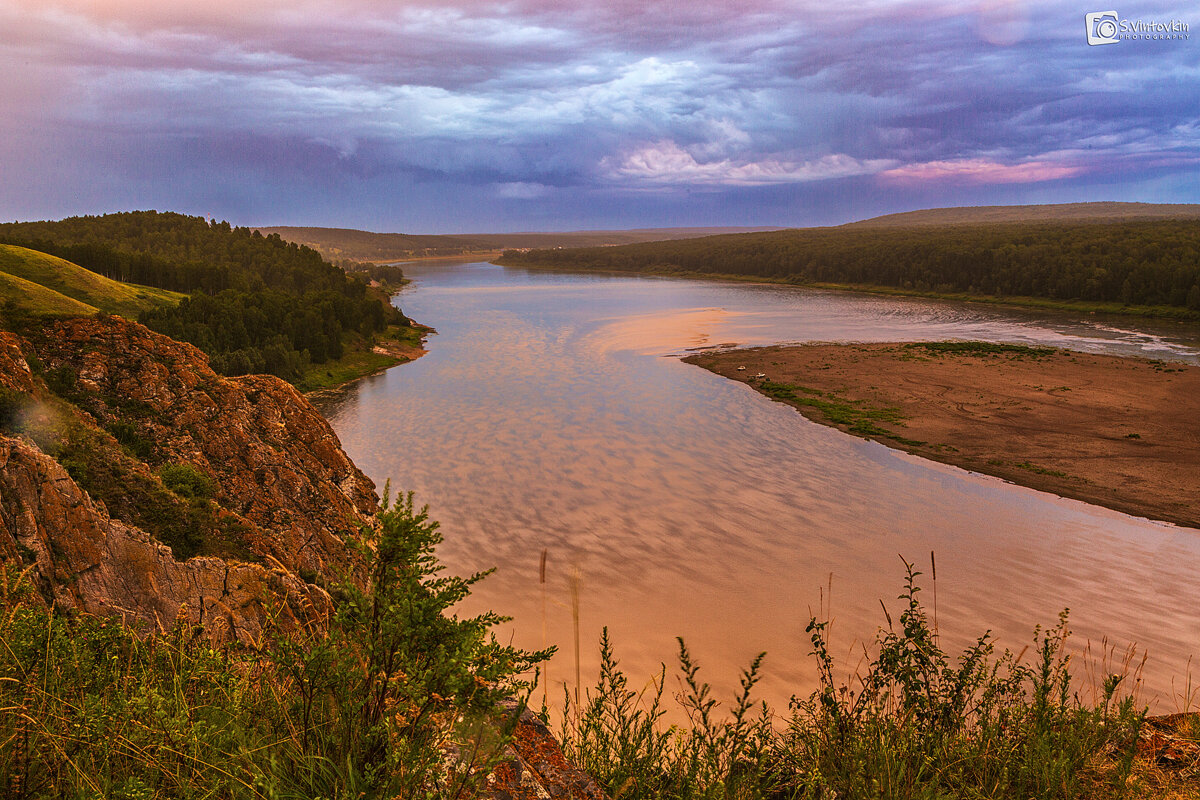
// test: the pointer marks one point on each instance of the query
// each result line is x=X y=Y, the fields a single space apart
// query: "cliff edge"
x=136 y=481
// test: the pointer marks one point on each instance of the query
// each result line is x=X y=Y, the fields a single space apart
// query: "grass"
x=18 y=294
x=857 y=417
x=981 y=349
x=84 y=286
x=1034 y=468
x=912 y=722
x=353 y=365
x=392 y=698
x=359 y=360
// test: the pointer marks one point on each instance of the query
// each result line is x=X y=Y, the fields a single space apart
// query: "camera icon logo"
x=1102 y=27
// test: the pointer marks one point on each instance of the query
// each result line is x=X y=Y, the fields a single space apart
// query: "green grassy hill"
x=38 y=300
x=45 y=284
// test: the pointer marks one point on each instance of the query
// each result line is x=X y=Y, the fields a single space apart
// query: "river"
x=552 y=414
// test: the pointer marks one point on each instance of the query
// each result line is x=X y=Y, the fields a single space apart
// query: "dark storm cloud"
x=569 y=112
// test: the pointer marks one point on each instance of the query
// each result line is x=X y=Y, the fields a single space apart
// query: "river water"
x=552 y=414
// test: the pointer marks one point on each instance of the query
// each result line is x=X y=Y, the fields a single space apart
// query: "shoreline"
x=1159 y=313
x=359 y=364
x=1122 y=433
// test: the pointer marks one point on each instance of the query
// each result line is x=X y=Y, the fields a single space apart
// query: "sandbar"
x=1123 y=433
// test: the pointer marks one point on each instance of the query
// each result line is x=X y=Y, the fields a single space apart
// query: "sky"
x=454 y=116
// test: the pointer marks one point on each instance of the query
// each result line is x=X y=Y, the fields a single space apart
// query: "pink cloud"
x=665 y=162
x=980 y=171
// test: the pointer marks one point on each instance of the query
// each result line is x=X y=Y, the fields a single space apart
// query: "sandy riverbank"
x=1116 y=432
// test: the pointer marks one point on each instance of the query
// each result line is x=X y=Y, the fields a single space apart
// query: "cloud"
x=567 y=105
x=665 y=162
x=980 y=171
x=519 y=190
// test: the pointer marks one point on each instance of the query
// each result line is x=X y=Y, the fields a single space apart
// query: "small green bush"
x=12 y=404
x=63 y=381
x=132 y=439
x=188 y=481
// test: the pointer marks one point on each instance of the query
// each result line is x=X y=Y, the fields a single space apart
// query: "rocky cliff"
x=136 y=482
x=122 y=453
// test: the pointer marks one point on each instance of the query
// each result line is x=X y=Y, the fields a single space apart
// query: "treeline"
x=258 y=303
x=389 y=274
x=140 y=268
x=1153 y=263
x=178 y=252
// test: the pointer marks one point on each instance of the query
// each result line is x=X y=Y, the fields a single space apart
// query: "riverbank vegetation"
x=913 y=721
x=255 y=304
x=394 y=699
x=397 y=699
x=1149 y=267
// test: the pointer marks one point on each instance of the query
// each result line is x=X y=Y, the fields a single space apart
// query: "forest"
x=257 y=303
x=1144 y=263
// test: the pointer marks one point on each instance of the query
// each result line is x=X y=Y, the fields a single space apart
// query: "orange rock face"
x=278 y=463
x=295 y=496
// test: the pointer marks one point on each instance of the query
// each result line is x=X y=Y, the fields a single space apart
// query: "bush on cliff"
x=392 y=699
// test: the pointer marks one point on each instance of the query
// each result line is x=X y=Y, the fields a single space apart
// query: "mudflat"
x=1122 y=433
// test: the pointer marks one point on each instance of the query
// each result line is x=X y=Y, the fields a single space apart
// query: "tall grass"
x=392 y=698
x=914 y=722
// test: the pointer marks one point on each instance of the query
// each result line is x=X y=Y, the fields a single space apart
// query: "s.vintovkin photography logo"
x=1107 y=27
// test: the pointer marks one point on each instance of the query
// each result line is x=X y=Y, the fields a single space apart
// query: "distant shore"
x=397 y=345
x=1183 y=316
x=1117 y=432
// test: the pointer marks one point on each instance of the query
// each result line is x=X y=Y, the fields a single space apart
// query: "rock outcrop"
x=285 y=485
x=86 y=561
x=279 y=465
x=534 y=768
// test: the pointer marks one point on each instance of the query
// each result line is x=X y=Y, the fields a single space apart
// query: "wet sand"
x=1116 y=432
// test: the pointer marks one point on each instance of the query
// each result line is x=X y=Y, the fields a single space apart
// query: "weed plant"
x=391 y=698
x=916 y=722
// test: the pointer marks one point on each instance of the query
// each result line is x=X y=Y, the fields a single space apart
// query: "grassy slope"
x=71 y=281
x=38 y=300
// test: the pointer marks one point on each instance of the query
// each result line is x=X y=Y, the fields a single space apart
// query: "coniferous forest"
x=256 y=304
x=1145 y=263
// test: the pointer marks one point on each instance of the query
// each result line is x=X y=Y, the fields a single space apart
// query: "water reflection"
x=550 y=415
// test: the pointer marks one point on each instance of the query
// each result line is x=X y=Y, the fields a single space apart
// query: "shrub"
x=392 y=699
x=915 y=723
x=187 y=481
x=12 y=403
x=132 y=439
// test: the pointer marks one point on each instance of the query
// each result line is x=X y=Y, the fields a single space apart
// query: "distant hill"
x=1062 y=212
x=256 y=303
x=976 y=253
x=45 y=284
x=355 y=245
